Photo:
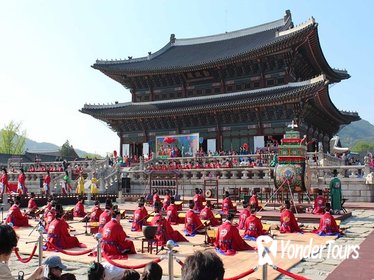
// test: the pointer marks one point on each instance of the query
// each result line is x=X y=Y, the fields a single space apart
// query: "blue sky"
x=47 y=48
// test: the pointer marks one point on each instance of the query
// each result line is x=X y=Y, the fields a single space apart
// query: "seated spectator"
x=203 y=265
x=130 y=274
x=55 y=267
x=96 y=271
x=68 y=276
x=112 y=272
x=152 y=271
x=8 y=241
x=31 y=168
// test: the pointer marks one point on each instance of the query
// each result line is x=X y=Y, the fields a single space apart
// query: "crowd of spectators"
x=53 y=268
x=209 y=163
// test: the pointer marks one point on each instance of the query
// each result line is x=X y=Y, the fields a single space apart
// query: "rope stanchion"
x=289 y=274
x=128 y=266
x=16 y=251
x=85 y=252
x=242 y=275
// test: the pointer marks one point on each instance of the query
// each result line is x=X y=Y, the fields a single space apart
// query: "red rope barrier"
x=16 y=250
x=241 y=275
x=129 y=266
x=290 y=274
x=179 y=262
x=71 y=253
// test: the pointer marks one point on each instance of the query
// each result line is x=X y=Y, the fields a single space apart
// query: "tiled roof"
x=185 y=53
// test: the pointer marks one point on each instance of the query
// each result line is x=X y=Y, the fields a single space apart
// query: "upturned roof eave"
x=216 y=103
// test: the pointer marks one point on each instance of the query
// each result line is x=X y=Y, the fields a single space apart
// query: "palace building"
x=232 y=88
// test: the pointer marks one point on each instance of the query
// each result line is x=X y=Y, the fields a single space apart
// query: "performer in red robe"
x=32 y=206
x=253 y=226
x=319 y=204
x=48 y=206
x=253 y=201
x=288 y=220
x=172 y=212
x=114 y=243
x=327 y=223
x=198 y=199
x=4 y=185
x=207 y=214
x=47 y=183
x=165 y=231
x=105 y=216
x=227 y=205
x=15 y=216
x=79 y=208
x=192 y=222
x=140 y=217
x=166 y=201
x=58 y=233
x=156 y=197
x=21 y=188
x=228 y=239
x=51 y=215
x=243 y=215
x=96 y=212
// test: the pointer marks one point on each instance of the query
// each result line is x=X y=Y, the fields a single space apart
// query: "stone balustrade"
x=353 y=177
x=354 y=184
x=265 y=159
x=86 y=165
x=260 y=173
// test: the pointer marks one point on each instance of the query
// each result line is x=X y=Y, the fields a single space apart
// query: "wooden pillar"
x=222 y=77
x=120 y=143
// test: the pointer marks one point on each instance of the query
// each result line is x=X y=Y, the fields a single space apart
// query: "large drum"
x=297 y=176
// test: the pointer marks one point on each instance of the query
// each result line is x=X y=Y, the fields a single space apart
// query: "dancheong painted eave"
x=196 y=105
x=180 y=55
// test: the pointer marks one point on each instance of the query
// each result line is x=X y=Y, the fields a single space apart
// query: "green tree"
x=67 y=150
x=12 y=139
x=363 y=147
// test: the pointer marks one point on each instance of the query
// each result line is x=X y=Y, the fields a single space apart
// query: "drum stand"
x=286 y=181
